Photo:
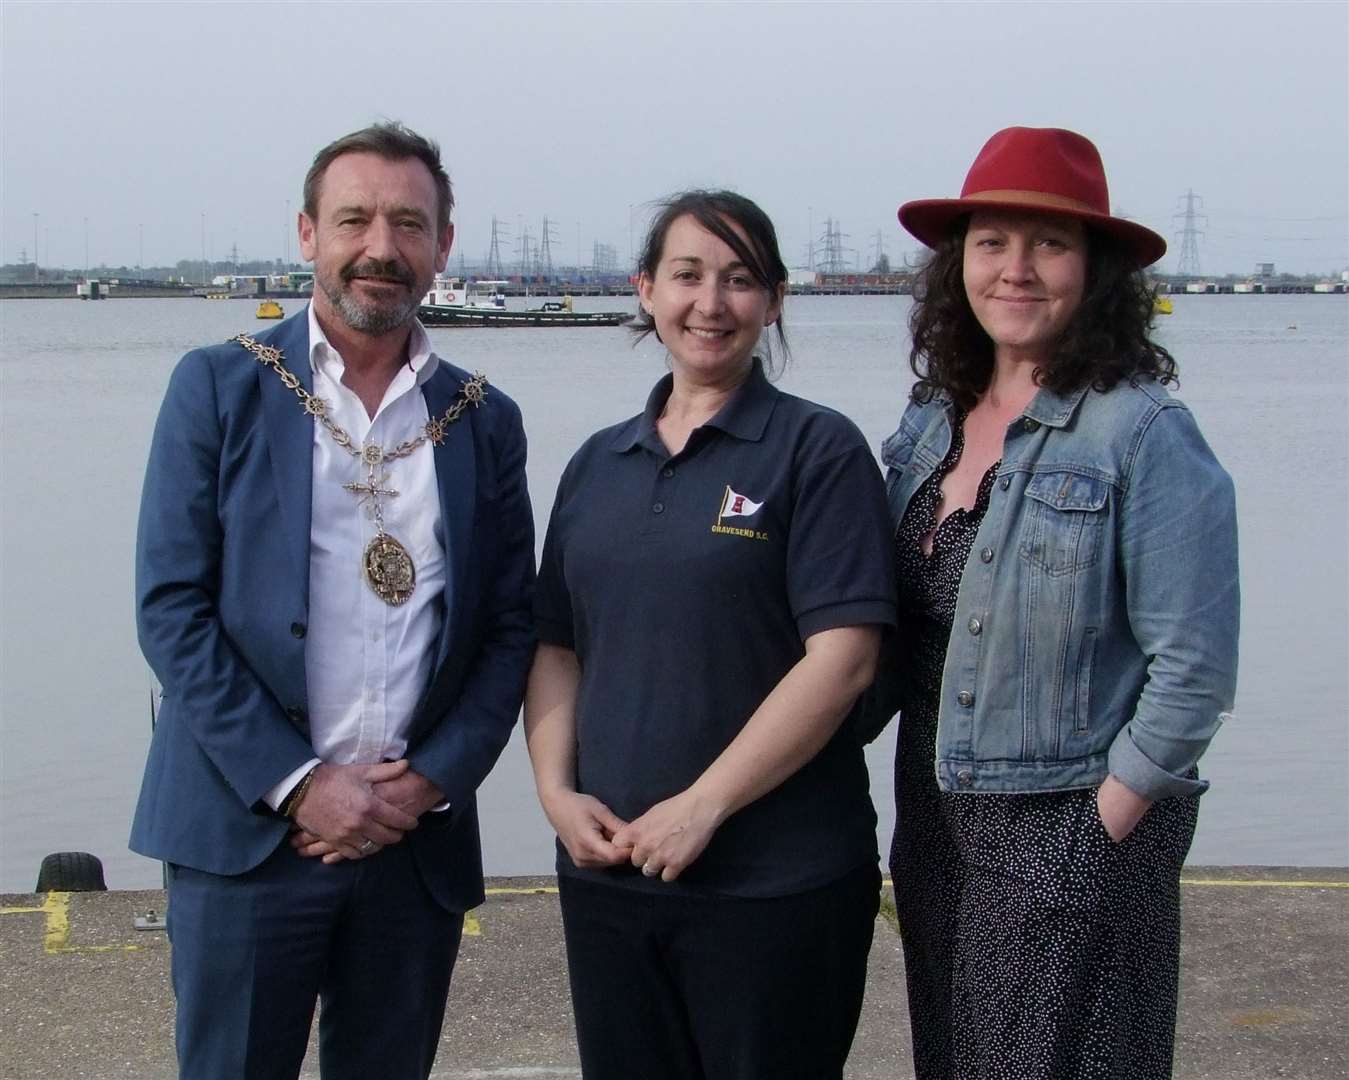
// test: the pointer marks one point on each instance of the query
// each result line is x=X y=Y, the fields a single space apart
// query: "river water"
x=80 y=384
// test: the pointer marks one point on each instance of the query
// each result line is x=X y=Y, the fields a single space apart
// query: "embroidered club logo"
x=734 y=505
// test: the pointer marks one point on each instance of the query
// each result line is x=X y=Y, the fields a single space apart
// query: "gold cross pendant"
x=371 y=489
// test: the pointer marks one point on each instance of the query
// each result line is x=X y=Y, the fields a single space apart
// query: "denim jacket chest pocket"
x=1064 y=521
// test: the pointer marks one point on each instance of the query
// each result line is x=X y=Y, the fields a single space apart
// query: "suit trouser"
x=685 y=987
x=252 y=953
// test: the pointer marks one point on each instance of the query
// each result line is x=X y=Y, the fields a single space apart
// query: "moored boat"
x=270 y=309
x=452 y=302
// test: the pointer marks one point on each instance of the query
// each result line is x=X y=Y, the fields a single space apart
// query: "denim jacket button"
x=975 y=626
x=986 y=555
x=1031 y=425
x=1005 y=483
x=965 y=778
x=965 y=699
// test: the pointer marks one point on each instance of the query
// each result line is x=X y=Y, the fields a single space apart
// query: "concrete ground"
x=1264 y=987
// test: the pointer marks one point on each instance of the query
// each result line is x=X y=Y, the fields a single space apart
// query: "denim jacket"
x=1096 y=622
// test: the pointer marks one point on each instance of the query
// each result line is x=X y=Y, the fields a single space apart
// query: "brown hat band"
x=1032 y=198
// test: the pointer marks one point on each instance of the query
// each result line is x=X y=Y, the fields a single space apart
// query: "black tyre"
x=71 y=871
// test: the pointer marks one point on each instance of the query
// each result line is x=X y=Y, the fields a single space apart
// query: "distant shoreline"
x=65 y=290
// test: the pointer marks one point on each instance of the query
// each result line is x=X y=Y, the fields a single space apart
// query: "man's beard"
x=373 y=317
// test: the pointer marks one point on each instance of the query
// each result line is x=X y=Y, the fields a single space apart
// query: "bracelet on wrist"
x=297 y=794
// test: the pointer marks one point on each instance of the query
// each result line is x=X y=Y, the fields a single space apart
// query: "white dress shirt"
x=367 y=662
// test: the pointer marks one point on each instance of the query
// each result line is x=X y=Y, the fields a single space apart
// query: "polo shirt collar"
x=744 y=416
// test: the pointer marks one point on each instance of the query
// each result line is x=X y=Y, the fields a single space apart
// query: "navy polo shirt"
x=686 y=585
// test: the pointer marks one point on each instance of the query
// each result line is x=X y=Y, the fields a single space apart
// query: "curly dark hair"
x=713 y=210
x=1106 y=340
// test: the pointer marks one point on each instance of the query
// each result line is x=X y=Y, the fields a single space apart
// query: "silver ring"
x=367 y=847
x=649 y=870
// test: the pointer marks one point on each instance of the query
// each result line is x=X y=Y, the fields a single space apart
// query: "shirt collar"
x=744 y=416
x=322 y=355
x=1050 y=409
x=1055 y=410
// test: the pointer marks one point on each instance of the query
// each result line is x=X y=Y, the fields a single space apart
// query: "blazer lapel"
x=290 y=439
x=456 y=477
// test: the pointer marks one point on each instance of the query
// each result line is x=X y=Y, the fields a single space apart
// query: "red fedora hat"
x=1043 y=169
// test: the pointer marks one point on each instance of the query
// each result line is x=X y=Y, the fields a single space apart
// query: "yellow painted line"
x=58 y=922
x=888 y=913
x=1247 y=883
x=473 y=925
x=56 y=937
x=522 y=892
x=1257 y=883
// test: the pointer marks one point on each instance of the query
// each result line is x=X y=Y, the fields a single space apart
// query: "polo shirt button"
x=667 y=472
x=658 y=508
x=965 y=699
x=986 y=555
x=1005 y=482
x=975 y=626
x=297 y=629
x=965 y=777
x=1031 y=425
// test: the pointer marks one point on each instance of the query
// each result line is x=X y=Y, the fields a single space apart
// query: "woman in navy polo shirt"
x=713 y=590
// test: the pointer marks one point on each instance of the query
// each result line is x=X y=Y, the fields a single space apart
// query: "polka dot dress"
x=1035 y=947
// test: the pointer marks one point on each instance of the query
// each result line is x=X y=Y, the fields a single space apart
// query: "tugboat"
x=270 y=309
x=451 y=302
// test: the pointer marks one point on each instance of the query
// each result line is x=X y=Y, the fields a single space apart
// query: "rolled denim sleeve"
x=1178 y=545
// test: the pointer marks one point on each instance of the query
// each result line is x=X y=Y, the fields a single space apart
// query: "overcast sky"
x=142 y=117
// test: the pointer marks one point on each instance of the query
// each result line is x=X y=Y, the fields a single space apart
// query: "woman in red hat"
x=1065 y=546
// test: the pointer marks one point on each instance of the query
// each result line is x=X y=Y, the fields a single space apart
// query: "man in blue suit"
x=333 y=581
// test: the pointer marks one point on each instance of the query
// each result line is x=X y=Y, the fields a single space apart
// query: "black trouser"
x=673 y=987
x=1035 y=947
x=251 y=954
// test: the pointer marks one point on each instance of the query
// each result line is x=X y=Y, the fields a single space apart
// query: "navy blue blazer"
x=222 y=599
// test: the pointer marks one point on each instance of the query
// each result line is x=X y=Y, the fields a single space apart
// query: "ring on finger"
x=367 y=847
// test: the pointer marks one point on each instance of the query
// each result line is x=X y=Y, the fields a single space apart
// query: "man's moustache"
x=392 y=271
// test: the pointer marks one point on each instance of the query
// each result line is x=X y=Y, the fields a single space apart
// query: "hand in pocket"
x=1120 y=808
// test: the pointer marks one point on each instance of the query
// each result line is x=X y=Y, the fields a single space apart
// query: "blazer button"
x=965 y=778
x=1031 y=425
x=658 y=508
x=986 y=555
x=667 y=472
x=975 y=626
x=965 y=699
x=1005 y=483
x=297 y=629
x=297 y=716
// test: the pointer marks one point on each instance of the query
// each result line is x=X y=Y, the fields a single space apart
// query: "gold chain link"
x=474 y=393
